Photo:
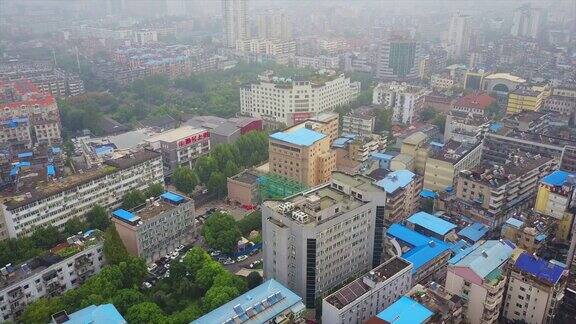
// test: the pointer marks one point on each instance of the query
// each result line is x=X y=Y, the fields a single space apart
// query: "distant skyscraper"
x=528 y=22
x=235 y=16
x=398 y=57
x=175 y=7
x=459 y=36
x=274 y=25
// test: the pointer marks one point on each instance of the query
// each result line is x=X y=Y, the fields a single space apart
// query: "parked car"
x=174 y=255
x=229 y=261
x=180 y=248
x=152 y=267
x=242 y=258
x=221 y=259
x=215 y=253
x=146 y=285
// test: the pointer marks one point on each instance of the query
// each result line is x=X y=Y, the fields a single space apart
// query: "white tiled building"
x=57 y=201
x=291 y=101
x=406 y=100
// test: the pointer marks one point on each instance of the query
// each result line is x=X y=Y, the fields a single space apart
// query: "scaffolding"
x=273 y=186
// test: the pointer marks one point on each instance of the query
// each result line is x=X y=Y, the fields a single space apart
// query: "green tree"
x=250 y=222
x=133 y=198
x=254 y=279
x=195 y=259
x=41 y=310
x=74 y=226
x=17 y=250
x=228 y=279
x=217 y=184
x=189 y=314
x=218 y=296
x=123 y=299
x=114 y=250
x=154 y=190
x=224 y=153
x=46 y=237
x=97 y=218
x=184 y=179
x=230 y=169
x=146 y=312
x=204 y=167
x=206 y=275
x=221 y=232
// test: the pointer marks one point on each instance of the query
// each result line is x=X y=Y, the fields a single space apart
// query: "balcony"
x=490 y=317
x=491 y=303
x=15 y=295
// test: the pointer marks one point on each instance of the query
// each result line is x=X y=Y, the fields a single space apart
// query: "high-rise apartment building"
x=478 y=276
x=158 y=226
x=235 y=17
x=402 y=195
x=303 y=155
x=528 y=22
x=406 y=100
x=459 y=36
x=274 y=25
x=28 y=116
x=38 y=202
x=535 y=290
x=527 y=98
x=320 y=238
x=290 y=101
x=398 y=57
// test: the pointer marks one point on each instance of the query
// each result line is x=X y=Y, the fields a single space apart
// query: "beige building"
x=443 y=166
x=529 y=234
x=327 y=123
x=535 y=290
x=243 y=188
x=406 y=101
x=303 y=155
x=416 y=146
x=478 y=277
x=157 y=227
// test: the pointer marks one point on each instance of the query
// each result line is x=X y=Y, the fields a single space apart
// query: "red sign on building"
x=193 y=139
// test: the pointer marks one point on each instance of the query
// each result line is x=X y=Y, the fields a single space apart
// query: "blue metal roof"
x=103 y=150
x=427 y=193
x=485 y=258
x=405 y=311
x=56 y=149
x=540 y=237
x=258 y=305
x=431 y=222
x=103 y=314
x=423 y=254
x=172 y=197
x=24 y=154
x=382 y=156
x=538 y=267
x=557 y=178
x=495 y=127
x=340 y=142
x=301 y=136
x=125 y=215
x=50 y=170
x=407 y=235
x=474 y=232
x=514 y=222
x=396 y=180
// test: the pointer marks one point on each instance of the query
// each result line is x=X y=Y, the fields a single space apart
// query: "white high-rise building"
x=527 y=22
x=235 y=18
x=290 y=101
x=274 y=25
x=459 y=36
x=405 y=100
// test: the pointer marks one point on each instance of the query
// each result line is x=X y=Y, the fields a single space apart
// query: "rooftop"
x=506 y=76
x=437 y=299
x=246 y=176
x=300 y=137
x=176 y=134
x=454 y=151
x=354 y=290
x=514 y=222
x=415 y=138
x=543 y=270
x=11 y=274
x=405 y=311
x=396 y=180
x=474 y=232
x=34 y=189
x=258 y=305
x=557 y=178
x=484 y=258
x=151 y=209
x=102 y=314
x=431 y=222
x=479 y=100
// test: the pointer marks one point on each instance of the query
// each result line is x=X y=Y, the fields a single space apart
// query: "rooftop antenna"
x=54 y=58
x=77 y=59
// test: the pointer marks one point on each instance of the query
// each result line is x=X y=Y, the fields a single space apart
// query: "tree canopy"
x=221 y=232
x=184 y=179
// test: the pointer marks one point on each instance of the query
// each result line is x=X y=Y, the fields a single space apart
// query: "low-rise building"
x=417 y=146
x=67 y=266
x=243 y=188
x=555 y=198
x=404 y=310
x=524 y=97
x=315 y=240
x=101 y=314
x=465 y=128
x=502 y=190
x=362 y=298
x=443 y=165
x=477 y=275
x=180 y=147
x=535 y=290
x=407 y=101
x=37 y=202
x=157 y=227
x=529 y=231
x=352 y=150
x=402 y=195
x=270 y=302
x=448 y=308
x=441 y=82
x=563 y=101
x=432 y=226
x=474 y=104
x=303 y=155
